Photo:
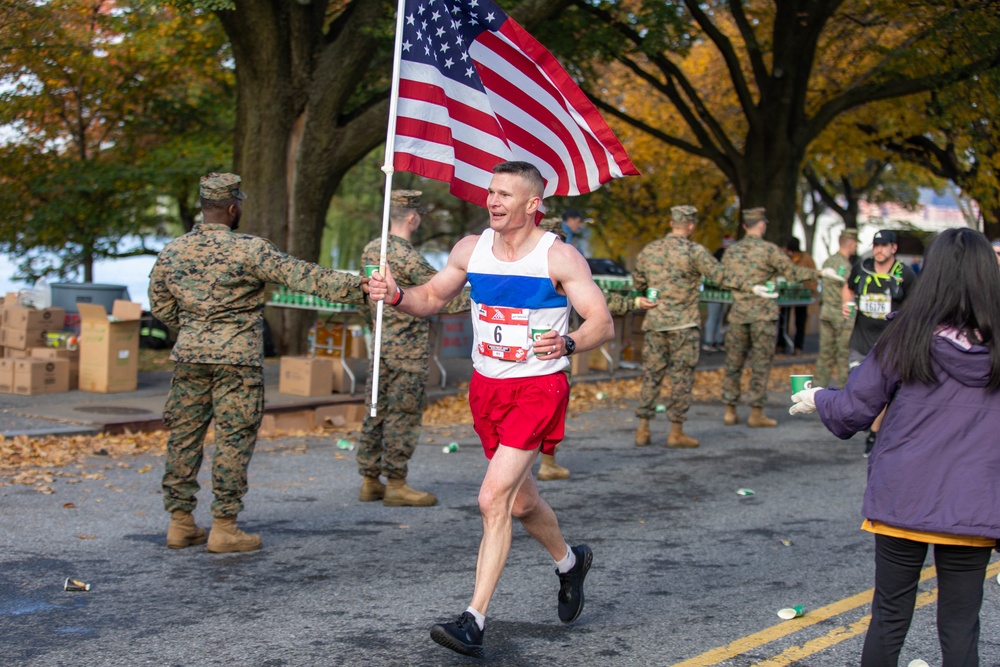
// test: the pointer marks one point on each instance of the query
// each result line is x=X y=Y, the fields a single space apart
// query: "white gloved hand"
x=831 y=273
x=762 y=291
x=805 y=402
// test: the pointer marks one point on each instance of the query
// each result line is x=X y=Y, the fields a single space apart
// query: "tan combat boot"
x=642 y=433
x=398 y=494
x=226 y=538
x=371 y=489
x=183 y=531
x=758 y=419
x=731 y=418
x=677 y=437
x=550 y=470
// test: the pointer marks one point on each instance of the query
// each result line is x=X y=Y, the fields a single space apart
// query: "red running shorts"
x=522 y=413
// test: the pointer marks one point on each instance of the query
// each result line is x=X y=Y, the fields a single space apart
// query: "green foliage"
x=112 y=110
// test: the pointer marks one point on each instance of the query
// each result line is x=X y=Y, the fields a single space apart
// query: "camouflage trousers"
x=232 y=396
x=676 y=351
x=389 y=438
x=833 y=353
x=753 y=341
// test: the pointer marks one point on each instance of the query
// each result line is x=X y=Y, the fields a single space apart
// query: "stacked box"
x=40 y=376
x=72 y=356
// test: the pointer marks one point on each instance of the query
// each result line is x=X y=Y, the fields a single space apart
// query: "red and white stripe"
x=532 y=111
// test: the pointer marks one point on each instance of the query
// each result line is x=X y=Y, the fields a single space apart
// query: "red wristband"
x=399 y=297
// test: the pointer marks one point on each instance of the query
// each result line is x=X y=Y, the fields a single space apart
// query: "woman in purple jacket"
x=934 y=474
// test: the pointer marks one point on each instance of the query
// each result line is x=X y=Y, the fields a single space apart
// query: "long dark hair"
x=959 y=286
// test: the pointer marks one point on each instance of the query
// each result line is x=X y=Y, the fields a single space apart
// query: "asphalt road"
x=686 y=571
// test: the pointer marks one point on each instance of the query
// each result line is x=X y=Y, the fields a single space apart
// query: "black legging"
x=961 y=572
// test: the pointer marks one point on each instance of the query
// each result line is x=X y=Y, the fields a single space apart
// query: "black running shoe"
x=571 y=584
x=870 y=443
x=462 y=636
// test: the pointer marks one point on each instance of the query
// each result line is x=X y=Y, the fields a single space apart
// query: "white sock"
x=480 y=619
x=568 y=561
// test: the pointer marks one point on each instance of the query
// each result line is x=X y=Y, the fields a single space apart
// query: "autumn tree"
x=791 y=70
x=107 y=106
x=954 y=135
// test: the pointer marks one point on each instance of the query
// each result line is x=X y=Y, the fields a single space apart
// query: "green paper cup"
x=369 y=269
x=770 y=285
x=652 y=294
x=788 y=613
x=841 y=270
x=800 y=382
x=851 y=307
x=538 y=333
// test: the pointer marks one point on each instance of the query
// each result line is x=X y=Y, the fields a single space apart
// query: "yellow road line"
x=837 y=635
x=744 y=644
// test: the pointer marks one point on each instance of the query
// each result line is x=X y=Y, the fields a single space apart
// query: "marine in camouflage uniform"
x=753 y=321
x=675 y=266
x=208 y=285
x=834 y=328
x=389 y=439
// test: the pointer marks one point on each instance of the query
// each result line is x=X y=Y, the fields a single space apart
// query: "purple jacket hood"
x=936 y=464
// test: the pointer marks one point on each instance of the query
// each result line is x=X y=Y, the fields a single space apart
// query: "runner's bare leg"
x=508 y=488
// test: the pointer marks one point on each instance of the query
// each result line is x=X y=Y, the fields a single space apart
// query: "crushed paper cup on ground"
x=74 y=585
x=744 y=492
x=788 y=613
x=917 y=663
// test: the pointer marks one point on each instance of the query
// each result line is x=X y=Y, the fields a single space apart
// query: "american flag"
x=475 y=89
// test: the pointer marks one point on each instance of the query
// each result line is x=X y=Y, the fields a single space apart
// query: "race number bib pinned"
x=875 y=306
x=503 y=332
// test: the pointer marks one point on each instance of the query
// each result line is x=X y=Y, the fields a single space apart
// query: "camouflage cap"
x=684 y=214
x=405 y=198
x=220 y=187
x=554 y=225
x=851 y=234
x=751 y=216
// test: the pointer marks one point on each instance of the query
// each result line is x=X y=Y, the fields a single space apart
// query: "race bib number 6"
x=503 y=332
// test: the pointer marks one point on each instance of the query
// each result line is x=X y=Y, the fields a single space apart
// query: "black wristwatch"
x=570 y=345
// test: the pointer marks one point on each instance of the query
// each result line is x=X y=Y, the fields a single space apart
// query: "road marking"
x=835 y=636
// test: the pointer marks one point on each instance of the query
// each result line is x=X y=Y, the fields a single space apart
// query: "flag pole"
x=390 y=141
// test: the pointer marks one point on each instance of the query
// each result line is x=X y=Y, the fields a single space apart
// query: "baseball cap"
x=884 y=237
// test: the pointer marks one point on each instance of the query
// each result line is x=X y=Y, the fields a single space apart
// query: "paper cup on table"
x=800 y=382
x=788 y=613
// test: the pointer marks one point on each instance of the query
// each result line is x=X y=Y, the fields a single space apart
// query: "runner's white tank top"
x=509 y=300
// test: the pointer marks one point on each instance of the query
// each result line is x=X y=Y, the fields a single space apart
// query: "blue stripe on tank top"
x=515 y=291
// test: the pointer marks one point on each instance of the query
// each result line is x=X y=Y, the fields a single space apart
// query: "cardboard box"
x=16 y=339
x=7 y=376
x=109 y=349
x=298 y=420
x=41 y=376
x=598 y=362
x=72 y=356
x=306 y=376
x=328 y=338
x=11 y=353
x=344 y=415
x=341 y=381
x=579 y=363
x=20 y=318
